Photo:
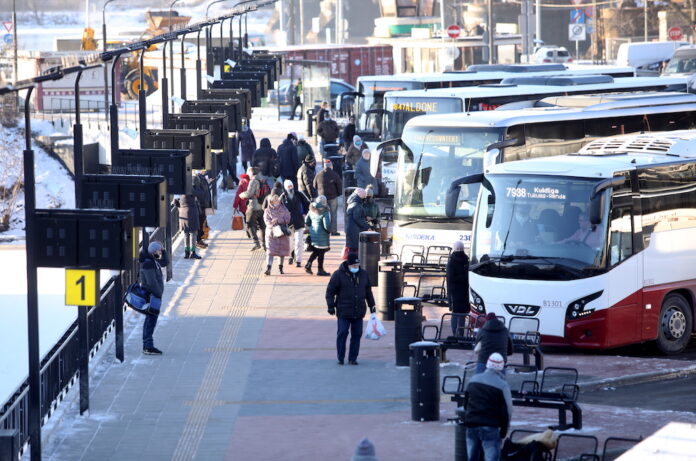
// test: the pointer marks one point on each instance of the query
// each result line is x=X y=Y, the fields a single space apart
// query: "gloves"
x=372 y=310
x=331 y=311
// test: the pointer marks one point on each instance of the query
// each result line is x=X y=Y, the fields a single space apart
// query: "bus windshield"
x=432 y=162
x=373 y=99
x=537 y=228
x=402 y=109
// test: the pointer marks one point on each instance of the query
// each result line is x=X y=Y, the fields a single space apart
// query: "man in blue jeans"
x=150 y=277
x=488 y=405
x=347 y=297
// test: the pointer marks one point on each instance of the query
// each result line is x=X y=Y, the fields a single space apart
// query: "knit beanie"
x=365 y=451
x=495 y=362
x=154 y=247
x=458 y=245
x=360 y=192
x=287 y=184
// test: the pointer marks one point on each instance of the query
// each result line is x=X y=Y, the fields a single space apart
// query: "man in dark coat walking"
x=355 y=221
x=329 y=184
x=287 y=157
x=247 y=144
x=494 y=337
x=303 y=148
x=150 y=277
x=305 y=177
x=328 y=132
x=265 y=159
x=347 y=296
x=298 y=206
x=458 y=285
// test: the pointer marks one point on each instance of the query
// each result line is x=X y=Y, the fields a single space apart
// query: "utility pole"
x=291 y=23
x=340 y=33
x=15 y=77
x=302 y=28
x=645 y=20
x=538 y=20
x=491 y=34
x=442 y=19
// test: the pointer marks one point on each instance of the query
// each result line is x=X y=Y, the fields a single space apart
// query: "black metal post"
x=246 y=32
x=113 y=112
x=222 y=49
x=32 y=290
x=199 y=69
x=182 y=72
x=168 y=238
x=209 y=63
x=118 y=318
x=232 y=39
x=78 y=143
x=165 y=88
x=142 y=109
x=241 y=45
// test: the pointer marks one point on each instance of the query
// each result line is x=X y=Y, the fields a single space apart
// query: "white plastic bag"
x=375 y=329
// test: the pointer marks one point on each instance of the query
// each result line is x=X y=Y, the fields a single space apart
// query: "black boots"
x=308 y=269
x=280 y=269
x=190 y=253
x=322 y=272
x=268 y=270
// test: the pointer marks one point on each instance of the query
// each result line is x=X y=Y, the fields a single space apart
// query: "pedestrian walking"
x=363 y=176
x=306 y=175
x=297 y=97
x=329 y=184
x=371 y=208
x=457 y=274
x=303 y=148
x=189 y=223
x=277 y=219
x=150 y=277
x=318 y=222
x=355 y=221
x=298 y=206
x=328 y=133
x=323 y=110
x=494 y=337
x=365 y=451
x=265 y=159
x=347 y=296
x=488 y=405
x=247 y=144
x=240 y=205
x=254 y=213
x=354 y=152
x=287 y=159
x=349 y=132
x=204 y=198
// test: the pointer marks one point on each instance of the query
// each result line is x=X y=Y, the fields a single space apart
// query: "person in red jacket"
x=240 y=204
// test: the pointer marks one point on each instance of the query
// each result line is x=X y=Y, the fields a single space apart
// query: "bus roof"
x=503 y=89
x=659 y=103
x=680 y=143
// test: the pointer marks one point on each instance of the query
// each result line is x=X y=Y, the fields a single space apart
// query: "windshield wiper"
x=550 y=260
x=436 y=219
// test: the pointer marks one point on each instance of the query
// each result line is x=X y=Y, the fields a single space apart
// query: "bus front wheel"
x=675 y=325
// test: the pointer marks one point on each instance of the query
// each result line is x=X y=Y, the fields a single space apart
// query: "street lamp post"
x=171 y=45
x=106 y=71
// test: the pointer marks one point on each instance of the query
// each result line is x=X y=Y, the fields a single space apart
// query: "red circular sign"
x=675 y=33
x=454 y=31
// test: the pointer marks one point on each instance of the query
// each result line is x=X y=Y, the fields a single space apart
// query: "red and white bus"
x=600 y=246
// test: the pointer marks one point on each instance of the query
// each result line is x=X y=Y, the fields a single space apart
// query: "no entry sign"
x=454 y=31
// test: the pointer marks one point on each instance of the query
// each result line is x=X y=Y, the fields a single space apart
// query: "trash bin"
x=310 y=123
x=368 y=252
x=349 y=179
x=425 y=381
x=408 y=318
x=389 y=282
x=460 y=436
x=9 y=444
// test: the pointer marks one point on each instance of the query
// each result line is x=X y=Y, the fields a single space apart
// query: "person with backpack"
x=318 y=221
x=255 y=194
x=329 y=184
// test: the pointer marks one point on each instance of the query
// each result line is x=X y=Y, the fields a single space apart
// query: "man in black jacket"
x=265 y=159
x=458 y=285
x=306 y=175
x=150 y=278
x=347 y=296
x=298 y=206
x=488 y=405
x=287 y=157
x=494 y=337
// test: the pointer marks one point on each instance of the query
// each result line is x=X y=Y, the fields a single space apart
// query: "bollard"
x=368 y=252
x=460 y=436
x=390 y=281
x=408 y=318
x=310 y=123
x=9 y=445
x=425 y=381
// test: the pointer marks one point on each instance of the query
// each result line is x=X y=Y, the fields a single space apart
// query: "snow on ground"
x=54 y=316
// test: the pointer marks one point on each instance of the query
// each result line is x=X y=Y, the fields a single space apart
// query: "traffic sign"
x=675 y=33
x=8 y=26
x=577 y=16
x=8 y=38
x=454 y=31
x=81 y=287
x=576 y=32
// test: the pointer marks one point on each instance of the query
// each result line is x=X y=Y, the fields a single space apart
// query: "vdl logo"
x=522 y=309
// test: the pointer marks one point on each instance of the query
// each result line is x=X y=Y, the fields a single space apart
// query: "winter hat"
x=287 y=183
x=357 y=140
x=309 y=158
x=327 y=163
x=366 y=154
x=458 y=245
x=360 y=192
x=495 y=362
x=292 y=135
x=322 y=199
x=244 y=176
x=300 y=137
x=154 y=247
x=490 y=316
x=370 y=191
x=353 y=259
x=365 y=451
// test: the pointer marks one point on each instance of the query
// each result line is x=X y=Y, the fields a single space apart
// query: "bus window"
x=620 y=235
x=548 y=139
x=676 y=121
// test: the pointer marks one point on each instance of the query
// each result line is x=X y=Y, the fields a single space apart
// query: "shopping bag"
x=237 y=222
x=375 y=329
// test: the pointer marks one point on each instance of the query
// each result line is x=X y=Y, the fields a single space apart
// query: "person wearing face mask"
x=150 y=277
x=371 y=207
x=348 y=295
x=298 y=205
x=363 y=176
x=329 y=184
x=349 y=132
x=355 y=220
x=247 y=144
x=306 y=175
x=354 y=151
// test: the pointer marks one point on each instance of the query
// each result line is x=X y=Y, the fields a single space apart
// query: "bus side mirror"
x=452 y=196
x=596 y=207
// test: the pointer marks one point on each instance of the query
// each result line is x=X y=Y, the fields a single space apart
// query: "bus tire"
x=675 y=325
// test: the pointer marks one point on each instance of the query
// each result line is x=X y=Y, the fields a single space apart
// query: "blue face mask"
x=354 y=269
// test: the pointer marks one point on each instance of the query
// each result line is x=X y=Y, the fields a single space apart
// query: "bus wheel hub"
x=674 y=323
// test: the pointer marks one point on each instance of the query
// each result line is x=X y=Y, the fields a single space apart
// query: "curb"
x=639 y=378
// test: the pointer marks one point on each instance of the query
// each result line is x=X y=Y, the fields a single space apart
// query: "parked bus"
x=598 y=246
x=435 y=150
x=369 y=98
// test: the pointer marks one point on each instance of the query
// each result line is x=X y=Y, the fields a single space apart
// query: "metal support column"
x=113 y=111
x=182 y=71
x=142 y=109
x=491 y=34
x=199 y=68
x=118 y=318
x=165 y=88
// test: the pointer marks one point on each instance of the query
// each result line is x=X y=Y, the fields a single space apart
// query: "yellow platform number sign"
x=81 y=287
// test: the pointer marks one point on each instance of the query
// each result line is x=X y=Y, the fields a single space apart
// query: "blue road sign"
x=7 y=38
x=577 y=16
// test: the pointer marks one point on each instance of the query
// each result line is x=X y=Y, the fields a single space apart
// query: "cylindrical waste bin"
x=349 y=179
x=460 y=436
x=408 y=319
x=389 y=281
x=368 y=252
x=425 y=381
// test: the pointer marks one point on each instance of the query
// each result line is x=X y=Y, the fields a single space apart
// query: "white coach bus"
x=599 y=245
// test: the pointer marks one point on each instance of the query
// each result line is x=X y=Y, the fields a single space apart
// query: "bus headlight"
x=578 y=308
x=476 y=302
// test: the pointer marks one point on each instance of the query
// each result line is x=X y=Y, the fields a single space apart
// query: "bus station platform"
x=249 y=372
